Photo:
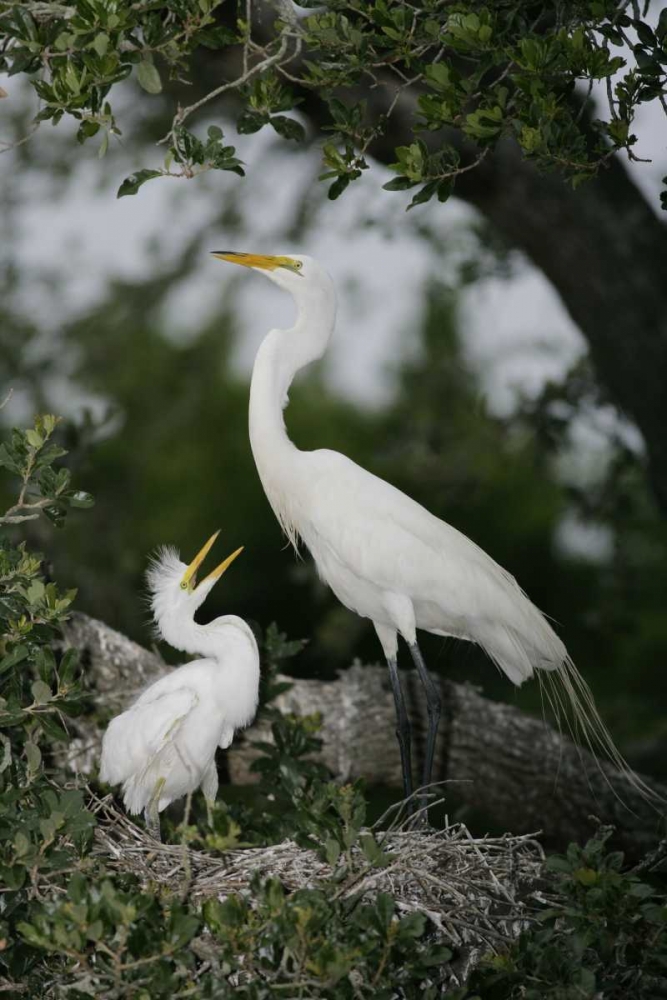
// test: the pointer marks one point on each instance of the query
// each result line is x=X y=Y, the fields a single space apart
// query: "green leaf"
x=337 y=188
x=251 y=121
x=214 y=133
x=101 y=43
x=33 y=756
x=384 y=907
x=412 y=925
x=11 y=659
x=445 y=189
x=288 y=128
x=87 y=130
x=68 y=665
x=586 y=876
x=21 y=843
x=372 y=850
x=424 y=195
x=132 y=183
x=41 y=692
x=148 y=77
x=216 y=38
x=332 y=851
x=52 y=728
x=35 y=592
x=34 y=438
x=399 y=184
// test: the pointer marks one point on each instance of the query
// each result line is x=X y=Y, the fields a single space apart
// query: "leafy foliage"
x=605 y=937
x=119 y=942
x=44 y=827
x=479 y=73
x=318 y=945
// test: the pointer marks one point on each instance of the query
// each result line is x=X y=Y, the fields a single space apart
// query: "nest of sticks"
x=479 y=893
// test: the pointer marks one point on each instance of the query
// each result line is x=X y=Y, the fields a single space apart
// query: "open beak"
x=189 y=580
x=264 y=262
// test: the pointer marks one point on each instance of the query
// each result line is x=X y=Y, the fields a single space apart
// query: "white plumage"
x=163 y=746
x=384 y=555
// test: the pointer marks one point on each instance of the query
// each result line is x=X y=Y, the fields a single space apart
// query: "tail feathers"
x=571 y=698
x=520 y=653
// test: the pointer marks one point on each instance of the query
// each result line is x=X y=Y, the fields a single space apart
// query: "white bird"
x=163 y=746
x=384 y=555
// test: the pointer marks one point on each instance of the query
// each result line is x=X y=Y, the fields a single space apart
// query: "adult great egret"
x=384 y=555
x=163 y=746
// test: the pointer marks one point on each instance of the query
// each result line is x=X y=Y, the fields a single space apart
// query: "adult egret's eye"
x=184 y=585
x=298 y=264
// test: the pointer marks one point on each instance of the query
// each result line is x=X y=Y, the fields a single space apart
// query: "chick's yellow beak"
x=219 y=570
x=189 y=580
x=264 y=262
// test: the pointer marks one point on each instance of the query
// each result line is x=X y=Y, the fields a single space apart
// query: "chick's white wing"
x=134 y=738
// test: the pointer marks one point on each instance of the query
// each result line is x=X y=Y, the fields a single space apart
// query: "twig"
x=260 y=67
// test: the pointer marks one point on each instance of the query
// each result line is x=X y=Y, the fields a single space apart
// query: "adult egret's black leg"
x=433 y=706
x=402 y=727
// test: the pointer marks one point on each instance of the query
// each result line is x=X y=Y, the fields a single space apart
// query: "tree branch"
x=501 y=761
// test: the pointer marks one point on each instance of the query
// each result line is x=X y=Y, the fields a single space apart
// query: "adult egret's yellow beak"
x=189 y=580
x=264 y=262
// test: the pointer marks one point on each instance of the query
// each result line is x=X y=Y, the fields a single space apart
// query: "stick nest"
x=480 y=893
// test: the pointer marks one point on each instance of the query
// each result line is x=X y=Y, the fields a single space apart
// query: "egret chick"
x=163 y=746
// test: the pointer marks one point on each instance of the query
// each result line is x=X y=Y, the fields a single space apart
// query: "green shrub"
x=604 y=936
x=71 y=927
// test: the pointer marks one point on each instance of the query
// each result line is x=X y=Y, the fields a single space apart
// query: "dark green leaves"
x=266 y=96
x=486 y=71
x=192 y=155
x=603 y=934
x=288 y=128
x=43 y=828
x=251 y=121
x=313 y=929
x=12 y=659
x=132 y=183
x=417 y=165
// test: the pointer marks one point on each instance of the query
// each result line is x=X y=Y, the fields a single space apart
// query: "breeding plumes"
x=383 y=555
x=163 y=746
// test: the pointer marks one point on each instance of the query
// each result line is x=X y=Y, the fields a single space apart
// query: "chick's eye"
x=298 y=265
x=184 y=586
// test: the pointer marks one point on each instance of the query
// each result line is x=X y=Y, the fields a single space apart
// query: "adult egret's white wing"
x=387 y=543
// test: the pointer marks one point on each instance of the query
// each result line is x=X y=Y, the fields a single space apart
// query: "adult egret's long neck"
x=281 y=355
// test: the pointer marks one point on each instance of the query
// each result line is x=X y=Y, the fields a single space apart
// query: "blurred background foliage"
x=158 y=432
